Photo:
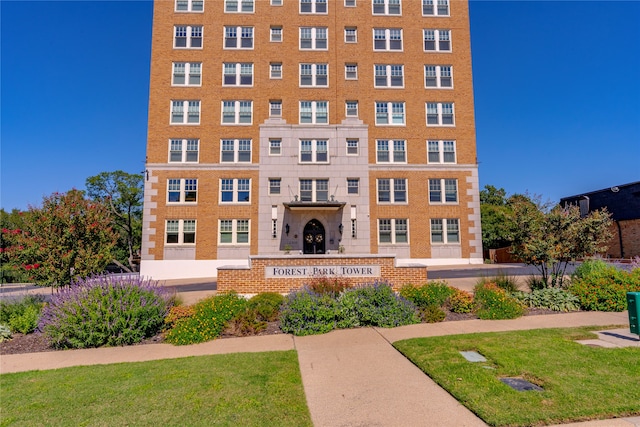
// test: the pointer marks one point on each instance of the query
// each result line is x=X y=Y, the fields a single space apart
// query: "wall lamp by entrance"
x=340 y=227
x=286 y=229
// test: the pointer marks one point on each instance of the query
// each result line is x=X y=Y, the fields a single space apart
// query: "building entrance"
x=314 y=237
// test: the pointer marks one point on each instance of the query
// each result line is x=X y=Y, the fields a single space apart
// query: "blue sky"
x=557 y=94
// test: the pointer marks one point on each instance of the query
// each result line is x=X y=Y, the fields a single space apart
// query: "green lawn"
x=248 y=389
x=579 y=382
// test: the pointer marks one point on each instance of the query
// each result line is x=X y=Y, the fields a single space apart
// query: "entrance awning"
x=314 y=206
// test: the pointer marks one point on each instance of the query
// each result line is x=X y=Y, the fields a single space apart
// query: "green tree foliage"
x=495 y=214
x=123 y=193
x=11 y=224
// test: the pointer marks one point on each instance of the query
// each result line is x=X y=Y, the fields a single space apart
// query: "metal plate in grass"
x=520 y=384
x=473 y=356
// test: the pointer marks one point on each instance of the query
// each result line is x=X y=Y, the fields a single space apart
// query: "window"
x=349 y=3
x=396 y=118
x=238 y=6
x=386 y=7
x=180 y=231
x=274 y=185
x=440 y=114
x=313 y=38
x=316 y=112
x=313 y=151
x=237 y=112
x=393 y=231
x=438 y=227
x=441 y=152
x=437 y=40
x=387 y=39
x=438 y=76
x=275 y=70
x=235 y=151
x=352 y=147
x=187 y=37
x=391 y=151
x=183 y=150
x=186 y=73
x=189 y=5
x=185 y=112
x=276 y=2
x=314 y=190
x=275 y=147
x=439 y=8
x=276 y=34
x=237 y=74
x=350 y=35
x=314 y=75
x=238 y=37
x=234 y=231
x=182 y=191
x=388 y=75
x=351 y=71
x=353 y=185
x=352 y=108
x=275 y=108
x=436 y=193
x=235 y=190
x=313 y=6
x=392 y=190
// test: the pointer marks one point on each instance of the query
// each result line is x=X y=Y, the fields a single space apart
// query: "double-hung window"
x=387 y=39
x=443 y=191
x=351 y=71
x=275 y=70
x=236 y=190
x=186 y=74
x=275 y=108
x=314 y=151
x=314 y=190
x=238 y=37
x=233 y=231
x=386 y=7
x=435 y=7
x=275 y=147
x=182 y=190
x=314 y=75
x=440 y=114
x=390 y=113
x=389 y=75
x=238 y=6
x=180 y=231
x=351 y=108
x=352 y=146
x=353 y=185
x=441 y=151
x=313 y=38
x=438 y=76
x=313 y=6
x=276 y=2
x=235 y=151
x=183 y=150
x=437 y=40
x=237 y=112
x=314 y=112
x=276 y=34
x=392 y=190
x=445 y=230
x=392 y=231
x=274 y=185
x=185 y=112
x=350 y=35
x=391 y=151
x=237 y=74
x=187 y=37
x=349 y=3
x=189 y=5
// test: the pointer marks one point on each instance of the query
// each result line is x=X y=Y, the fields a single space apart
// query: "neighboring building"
x=310 y=127
x=623 y=202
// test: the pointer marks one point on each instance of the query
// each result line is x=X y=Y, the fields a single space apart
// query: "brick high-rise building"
x=310 y=127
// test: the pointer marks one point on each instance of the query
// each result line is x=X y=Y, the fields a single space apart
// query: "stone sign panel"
x=298 y=271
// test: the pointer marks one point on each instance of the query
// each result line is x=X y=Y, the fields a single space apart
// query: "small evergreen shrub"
x=432 y=314
x=461 y=301
x=555 y=299
x=374 y=305
x=306 y=312
x=209 y=319
x=433 y=293
x=604 y=289
x=104 y=311
x=333 y=286
x=494 y=303
x=267 y=305
x=5 y=332
x=245 y=323
x=22 y=314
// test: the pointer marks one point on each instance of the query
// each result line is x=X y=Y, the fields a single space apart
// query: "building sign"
x=299 y=271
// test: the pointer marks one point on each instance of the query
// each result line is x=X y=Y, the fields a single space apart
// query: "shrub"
x=433 y=293
x=332 y=286
x=306 y=312
x=104 y=310
x=22 y=314
x=247 y=322
x=594 y=267
x=461 y=301
x=209 y=319
x=604 y=289
x=494 y=303
x=176 y=313
x=555 y=299
x=267 y=305
x=535 y=282
x=432 y=314
x=5 y=332
x=502 y=280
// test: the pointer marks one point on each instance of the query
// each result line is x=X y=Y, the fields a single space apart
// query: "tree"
x=67 y=238
x=11 y=224
x=123 y=193
x=495 y=215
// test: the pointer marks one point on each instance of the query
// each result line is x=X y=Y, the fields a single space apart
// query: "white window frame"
x=447 y=227
x=445 y=149
x=189 y=72
x=351 y=108
x=275 y=108
x=440 y=39
x=239 y=73
x=239 y=107
x=440 y=191
x=273 y=186
x=313 y=33
x=351 y=34
x=275 y=147
x=352 y=146
x=315 y=111
x=276 y=2
x=395 y=187
x=315 y=153
x=240 y=38
x=442 y=112
x=351 y=71
x=185 y=149
x=388 y=72
x=194 y=6
x=394 y=230
x=239 y=6
x=353 y=186
x=237 y=227
x=350 y=3
x=387 y=34
x=188 y=109
x=386 y=7
x=315 y=189
x=435 y=8
x=390 y=110
x=275 y=70
x=184 y=227
x=314 y=70
x=238 y=150
x=275 y=34
x=238 y=185
x=316 y=7
x=193 y=35
x=388 y=151
x=441 y=74
x=185 y=188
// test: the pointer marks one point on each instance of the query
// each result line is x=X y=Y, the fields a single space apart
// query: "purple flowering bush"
x=105 y=311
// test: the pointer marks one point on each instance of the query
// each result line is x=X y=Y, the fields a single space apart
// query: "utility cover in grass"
x=520 y=384
x=473 y=356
